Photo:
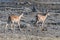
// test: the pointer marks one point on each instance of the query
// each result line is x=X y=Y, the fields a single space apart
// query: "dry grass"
x=24 y=37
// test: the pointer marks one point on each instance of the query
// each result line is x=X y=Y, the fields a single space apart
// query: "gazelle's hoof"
x=23 y=26
x=44 y=29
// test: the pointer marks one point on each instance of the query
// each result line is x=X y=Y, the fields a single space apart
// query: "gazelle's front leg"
x=12 y=27
x=19 y=24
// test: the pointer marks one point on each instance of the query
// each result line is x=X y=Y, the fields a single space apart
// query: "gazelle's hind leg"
x=19 y=26
x=6 y=27
x=12 y=27
x=37 y=23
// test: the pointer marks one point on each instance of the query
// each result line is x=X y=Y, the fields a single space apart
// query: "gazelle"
x=14 y=19
x=41 y=18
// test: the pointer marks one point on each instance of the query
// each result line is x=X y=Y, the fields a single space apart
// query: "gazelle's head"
x=48 y=14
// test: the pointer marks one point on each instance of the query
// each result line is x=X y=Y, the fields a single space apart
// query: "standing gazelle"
x=41 y=18
x=14 y=19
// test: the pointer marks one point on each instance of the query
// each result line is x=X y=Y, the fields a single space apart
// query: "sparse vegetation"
x=28 y=28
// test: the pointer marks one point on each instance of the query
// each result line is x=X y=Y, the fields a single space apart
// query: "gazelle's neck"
x=46 y=15
x=20 y=16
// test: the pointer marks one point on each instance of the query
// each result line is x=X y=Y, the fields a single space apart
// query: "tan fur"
x=42 y=18
x=14 y=18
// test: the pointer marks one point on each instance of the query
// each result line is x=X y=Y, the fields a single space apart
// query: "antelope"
x=14 y=19
x=41 y=18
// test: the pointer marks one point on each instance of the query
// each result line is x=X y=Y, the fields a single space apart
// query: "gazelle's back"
x=13 y=18
x=41 y=17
